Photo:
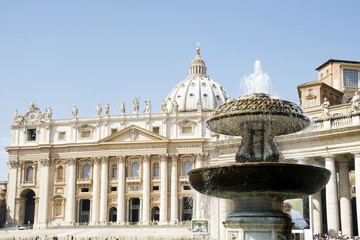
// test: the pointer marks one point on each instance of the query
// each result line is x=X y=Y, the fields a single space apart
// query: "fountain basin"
x=232 y=181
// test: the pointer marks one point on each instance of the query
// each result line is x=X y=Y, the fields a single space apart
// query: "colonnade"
x=99 y=207
x=339 y=214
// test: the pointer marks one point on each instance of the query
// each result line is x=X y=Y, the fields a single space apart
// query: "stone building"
x=2 y=203
x=131 y=168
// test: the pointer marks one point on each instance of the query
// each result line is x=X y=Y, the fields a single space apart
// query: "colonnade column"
x=70 y=202
x=200 y=200
x=357 y=185
x=95 y=197
x=104 y=190
x=317 y=212
x=146 y=190
x=332 y=207
x=127 y=209
x=44 y=193
x=181 y=199
x=163 y=192
x=121 y=191
x=345 y=199
x=174 y=218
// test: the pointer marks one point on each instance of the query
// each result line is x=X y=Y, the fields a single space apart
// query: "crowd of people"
x=327 y=237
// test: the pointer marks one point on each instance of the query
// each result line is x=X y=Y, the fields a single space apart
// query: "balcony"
x=156 y=179
x=133 y=179
x=183 y=179
x=84 y=181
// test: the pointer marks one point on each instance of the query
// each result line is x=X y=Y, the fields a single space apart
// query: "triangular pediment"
x=133 y=133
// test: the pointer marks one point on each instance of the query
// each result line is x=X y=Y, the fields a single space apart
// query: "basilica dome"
x=197 y=91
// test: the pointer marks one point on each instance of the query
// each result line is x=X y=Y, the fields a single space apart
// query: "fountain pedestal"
x=259 y=217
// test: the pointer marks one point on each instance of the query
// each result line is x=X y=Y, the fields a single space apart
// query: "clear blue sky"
x=65 y=53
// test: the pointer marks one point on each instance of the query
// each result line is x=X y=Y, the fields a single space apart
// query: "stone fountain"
x=258 y=182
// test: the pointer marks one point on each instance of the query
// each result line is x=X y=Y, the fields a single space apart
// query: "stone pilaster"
x=11 y=192
x=43 y=216
x=121 y=191
x=332 y=207
x=174 y=218
x=104 y=189
x=146 y=190
x=95 y=198
x=163 y=193
x=70 y=199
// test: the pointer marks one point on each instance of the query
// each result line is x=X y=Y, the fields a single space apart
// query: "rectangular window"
x=85 y=134
x=114 y=173
x=351 y=78
x=31 y=134
x=156 y=130
x=187 y=187
x=61 y=135
x=113 y=189
x=85 y=190
x=155 y=188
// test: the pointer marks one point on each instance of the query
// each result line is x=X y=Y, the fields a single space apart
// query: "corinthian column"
x=146 y=190
x=121 y=191
x=332 y=207
x=95 y=197
x=357 y=185
x=163 y=193
x=174 y=218
x=43 y=217
x=70 y=200
x=104 y=185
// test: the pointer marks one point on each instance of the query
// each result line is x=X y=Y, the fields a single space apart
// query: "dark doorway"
x=187 y=208
x=155 y=214
x=29 y=208
x=84 y=211
x=134 y=210
x=113 y=214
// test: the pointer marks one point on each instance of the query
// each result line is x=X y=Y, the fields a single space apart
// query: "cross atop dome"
x=197 y=66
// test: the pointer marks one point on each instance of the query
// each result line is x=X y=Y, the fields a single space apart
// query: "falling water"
x=257 y=82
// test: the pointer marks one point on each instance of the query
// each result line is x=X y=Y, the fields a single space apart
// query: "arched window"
x=135 y=169
x=30 y=174
x=187 y=167
x=60 y=173
x=86 y=171
x=114 y=173
x=156 y=170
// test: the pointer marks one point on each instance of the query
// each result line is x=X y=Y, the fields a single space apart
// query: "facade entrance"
x=29 y=207
x=84 y=211
x=113 y=214
x=155 y=214
x=187 y=209
x=134 y=210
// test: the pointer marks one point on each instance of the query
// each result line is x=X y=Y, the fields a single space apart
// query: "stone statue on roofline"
x=107 y=109
x=122 y=108
x=98 y=110
x=148 y=106
x=75 y=111
x=136 y=105
x=355 y=103
x=325 y=107
x=49 y=112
